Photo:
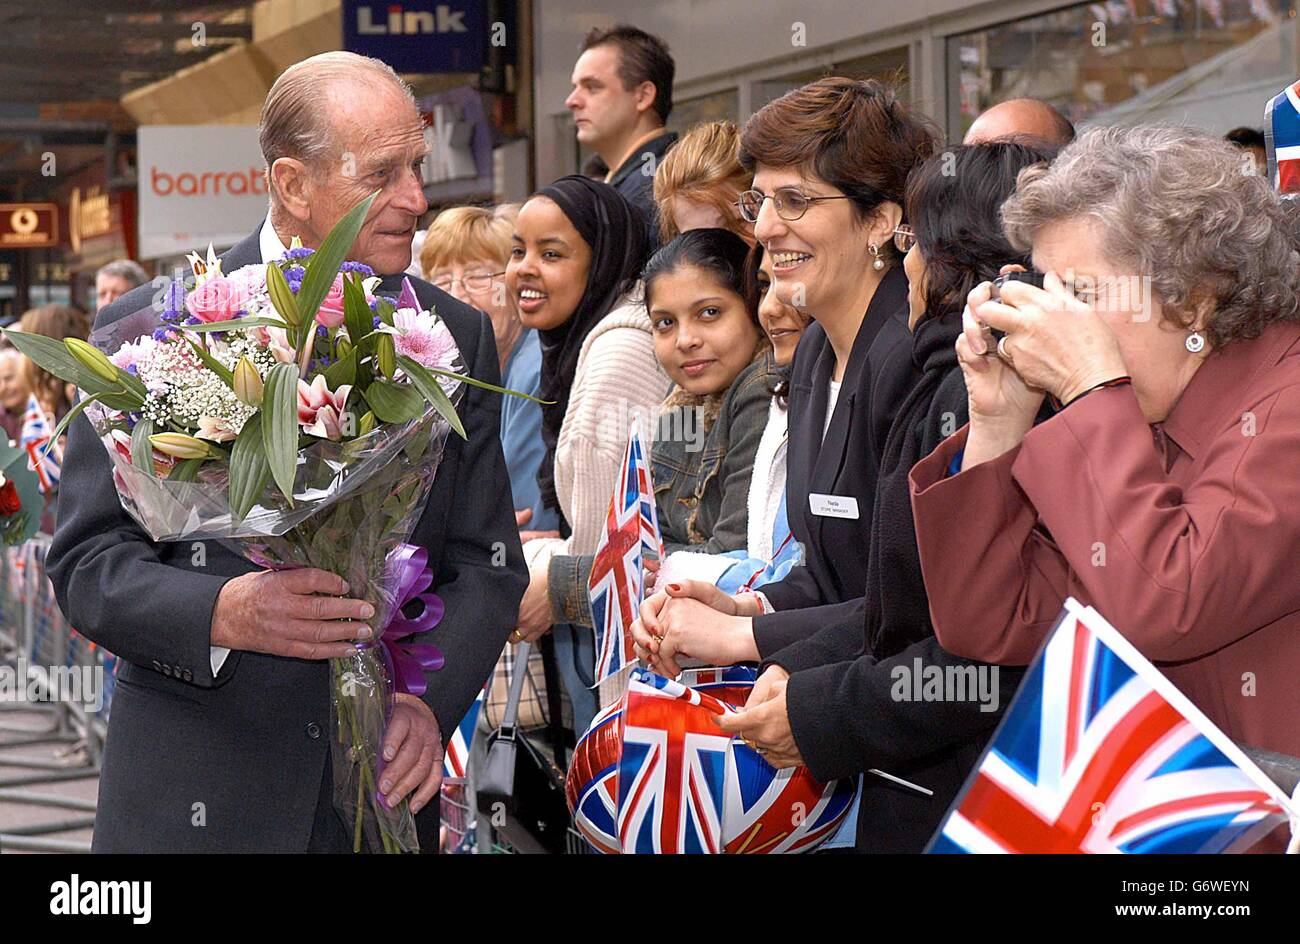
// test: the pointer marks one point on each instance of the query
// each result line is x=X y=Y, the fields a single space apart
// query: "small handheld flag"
x=617 y=581
x=36 y=432
x=1099 y=752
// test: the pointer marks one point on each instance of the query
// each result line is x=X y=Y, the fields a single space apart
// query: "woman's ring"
x=1003 y=352
x=516 y=636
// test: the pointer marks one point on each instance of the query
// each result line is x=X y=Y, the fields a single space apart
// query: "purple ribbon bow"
x=409 y=570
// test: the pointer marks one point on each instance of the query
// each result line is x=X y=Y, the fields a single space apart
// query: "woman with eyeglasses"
x=836 y=701
x=465 y=253
x=830 y=163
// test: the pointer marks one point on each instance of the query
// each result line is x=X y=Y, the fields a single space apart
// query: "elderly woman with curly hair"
x=1165 y=491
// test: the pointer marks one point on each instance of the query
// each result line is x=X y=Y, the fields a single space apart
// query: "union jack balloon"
x=654 y=774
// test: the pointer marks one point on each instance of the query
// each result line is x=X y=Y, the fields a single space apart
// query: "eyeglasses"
x=904 y=238
x=477 y=283
x=790 y=203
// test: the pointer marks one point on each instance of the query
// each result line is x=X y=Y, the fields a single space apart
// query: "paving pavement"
x=57 y=759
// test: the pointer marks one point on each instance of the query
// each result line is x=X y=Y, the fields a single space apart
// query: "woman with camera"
x=1164 y=493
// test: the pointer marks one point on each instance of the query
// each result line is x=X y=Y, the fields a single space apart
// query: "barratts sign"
x=199 y=184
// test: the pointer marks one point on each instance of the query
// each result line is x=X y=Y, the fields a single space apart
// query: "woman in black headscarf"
x=577 y=253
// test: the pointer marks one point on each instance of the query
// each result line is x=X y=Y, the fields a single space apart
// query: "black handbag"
x=521 y=790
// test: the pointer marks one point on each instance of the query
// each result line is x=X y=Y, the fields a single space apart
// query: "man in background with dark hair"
x=1250 y=140
x=622 y=96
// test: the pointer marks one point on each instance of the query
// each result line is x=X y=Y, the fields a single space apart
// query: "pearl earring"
x=877 y=263
x=1195 y=342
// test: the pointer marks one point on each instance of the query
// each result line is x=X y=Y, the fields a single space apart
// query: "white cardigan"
x=618 y=379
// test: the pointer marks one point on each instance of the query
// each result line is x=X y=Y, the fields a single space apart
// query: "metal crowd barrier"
x=36 y=645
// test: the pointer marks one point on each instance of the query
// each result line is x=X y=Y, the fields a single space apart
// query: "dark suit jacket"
x=843 y=698
x=877 y=379
x=635 y=179
x=251 y=745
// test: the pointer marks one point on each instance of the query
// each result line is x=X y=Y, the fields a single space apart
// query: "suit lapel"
x=829 y=464
x=248 y=251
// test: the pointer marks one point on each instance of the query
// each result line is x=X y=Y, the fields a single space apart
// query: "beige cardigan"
x=618 y=379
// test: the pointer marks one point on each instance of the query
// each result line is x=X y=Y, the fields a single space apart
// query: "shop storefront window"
x=720 y=106
x=1210 y=63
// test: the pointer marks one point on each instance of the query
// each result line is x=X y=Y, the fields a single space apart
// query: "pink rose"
x=330 y=313
x=218 y=299
x=252 y=278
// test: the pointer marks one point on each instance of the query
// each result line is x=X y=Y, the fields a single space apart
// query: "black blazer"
x=251 y=745
x=845 y=698
x=876 y=381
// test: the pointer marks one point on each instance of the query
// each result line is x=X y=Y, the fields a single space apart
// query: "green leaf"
x=280 y=425
x=357 y=314
x=394 y=403
x=126 y=402
x=235 y=323
x=211 y=363
x=68 y=417
x=141 y=451
x=324 y=263
x=54 y=357
x=185 y=470
x=485 y=385
x=428 y=385
x=281 y=295
x=249 y=470
x=342 y=371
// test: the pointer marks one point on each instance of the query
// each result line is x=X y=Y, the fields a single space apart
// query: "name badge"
x=833 y=506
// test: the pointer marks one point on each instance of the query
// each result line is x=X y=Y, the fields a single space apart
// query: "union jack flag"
x=1282 y=139
x=617 y=583
x=671 y=777
x=36 y=432
x=456 y=759
x=1099 y=752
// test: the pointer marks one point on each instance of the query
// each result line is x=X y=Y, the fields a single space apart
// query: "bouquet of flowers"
x=289 y=411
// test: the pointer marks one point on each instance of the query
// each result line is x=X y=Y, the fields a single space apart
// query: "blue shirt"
x=521 y=430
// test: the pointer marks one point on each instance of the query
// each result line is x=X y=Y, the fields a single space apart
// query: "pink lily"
x=319 y=411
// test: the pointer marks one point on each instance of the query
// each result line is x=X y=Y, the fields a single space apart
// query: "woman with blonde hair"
x=465 y=252
x=699 y=181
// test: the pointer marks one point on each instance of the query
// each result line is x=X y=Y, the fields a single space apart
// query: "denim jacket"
x=701 y=484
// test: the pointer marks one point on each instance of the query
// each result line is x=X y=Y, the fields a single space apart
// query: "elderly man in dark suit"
x=218 y=735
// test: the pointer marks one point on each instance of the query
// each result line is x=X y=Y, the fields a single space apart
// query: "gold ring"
x=516 y=636
x=1002 y=350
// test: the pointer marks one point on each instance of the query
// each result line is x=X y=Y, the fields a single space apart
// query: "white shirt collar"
x=269 y=242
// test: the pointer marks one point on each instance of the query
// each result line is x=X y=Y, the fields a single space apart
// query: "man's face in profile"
x=379 y=146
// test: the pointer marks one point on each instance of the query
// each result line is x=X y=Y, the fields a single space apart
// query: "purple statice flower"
x=160 y=334
x=374 y=304
x=322 y=332
x=132 y=369
x=358 y=267
x=192 y=320
x=294 y=254
x=295 y=273
x=377 y=321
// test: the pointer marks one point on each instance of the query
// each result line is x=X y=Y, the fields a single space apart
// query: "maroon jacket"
x=1185 y=536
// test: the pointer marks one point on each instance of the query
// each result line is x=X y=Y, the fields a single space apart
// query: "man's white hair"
x=296 y=119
